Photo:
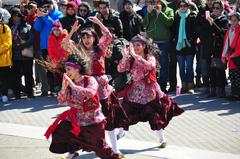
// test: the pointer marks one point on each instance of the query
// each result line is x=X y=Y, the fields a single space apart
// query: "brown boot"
x=190 y=88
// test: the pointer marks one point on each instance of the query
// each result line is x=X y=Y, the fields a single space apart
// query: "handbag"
x=28 y=52
x=217 y=63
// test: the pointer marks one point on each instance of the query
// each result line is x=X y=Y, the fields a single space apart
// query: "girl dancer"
x=96 y=49
x=83 y=125
x=143 y=99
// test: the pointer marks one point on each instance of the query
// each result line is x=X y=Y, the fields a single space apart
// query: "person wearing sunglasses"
x=62 y=6
x=46 y=16
x=185 y=37
x=22 y=38
x=218 y=24
x=85 y=11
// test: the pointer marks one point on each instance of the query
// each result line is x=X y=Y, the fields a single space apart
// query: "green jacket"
x=158 y=25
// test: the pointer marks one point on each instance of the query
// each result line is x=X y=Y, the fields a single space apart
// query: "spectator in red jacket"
x=57 y=54
x=231 y=50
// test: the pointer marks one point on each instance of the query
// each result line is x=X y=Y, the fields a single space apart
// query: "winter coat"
x=190 y=33
x=6 y=46
x=55 y=51
x=236 y=45
x=218 y=30
x=44 y=26
x=132 y=24
x=114 y=24
x=158 y=25
x=25 y=40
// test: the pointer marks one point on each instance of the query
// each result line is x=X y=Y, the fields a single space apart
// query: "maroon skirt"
x=91 y=138
x=114 y=113
x=157 y=112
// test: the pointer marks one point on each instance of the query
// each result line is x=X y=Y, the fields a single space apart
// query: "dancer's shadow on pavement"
x=33 y=105
x=200 y=102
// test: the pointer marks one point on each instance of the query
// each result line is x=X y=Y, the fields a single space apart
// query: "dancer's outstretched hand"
x=75 y=26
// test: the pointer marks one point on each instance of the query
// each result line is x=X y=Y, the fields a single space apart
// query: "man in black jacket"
x=132 y=22
x=109 y=19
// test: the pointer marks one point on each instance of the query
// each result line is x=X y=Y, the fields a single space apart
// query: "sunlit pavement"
x=209 y=128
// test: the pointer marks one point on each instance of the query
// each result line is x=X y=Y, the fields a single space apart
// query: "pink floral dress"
x=140 y=91
x=98 y=65
x=76 y=98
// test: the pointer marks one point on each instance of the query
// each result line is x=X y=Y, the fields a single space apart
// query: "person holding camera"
x=158 y=21
x=5 y=58
x=184 y=39
x=46 y=16
x=231 y=51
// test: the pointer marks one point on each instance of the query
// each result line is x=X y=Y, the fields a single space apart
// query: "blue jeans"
x=163 y=76
x=185 y=63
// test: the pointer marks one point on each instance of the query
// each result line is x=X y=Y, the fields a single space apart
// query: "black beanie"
x=128 y=2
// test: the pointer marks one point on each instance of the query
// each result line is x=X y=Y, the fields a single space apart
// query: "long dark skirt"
x=114 y=113
x=91 y=138
x=157 y=112
x=234 y=75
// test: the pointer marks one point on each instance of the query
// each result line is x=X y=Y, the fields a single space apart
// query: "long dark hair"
x=151 y=48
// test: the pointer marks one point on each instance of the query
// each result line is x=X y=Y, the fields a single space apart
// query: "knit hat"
x=58 y=25
x=16 y=11
x=73 y=5
x=128 y=2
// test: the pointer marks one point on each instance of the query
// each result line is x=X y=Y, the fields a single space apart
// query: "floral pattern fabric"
x=140 y=91
x=98 y=58
x=76 y=97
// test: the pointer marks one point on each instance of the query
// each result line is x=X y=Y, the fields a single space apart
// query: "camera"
x=43 y=10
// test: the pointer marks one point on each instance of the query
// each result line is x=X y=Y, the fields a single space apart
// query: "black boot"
x=198 y=82
x=220 y=92
x=212 y=92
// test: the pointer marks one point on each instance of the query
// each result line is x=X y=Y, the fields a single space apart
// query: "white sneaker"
x=4 y=99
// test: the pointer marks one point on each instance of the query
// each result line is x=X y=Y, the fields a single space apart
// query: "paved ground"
x=209 y=128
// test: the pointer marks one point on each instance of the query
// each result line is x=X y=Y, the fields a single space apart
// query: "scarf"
x=231 y=35
x=182 y=37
